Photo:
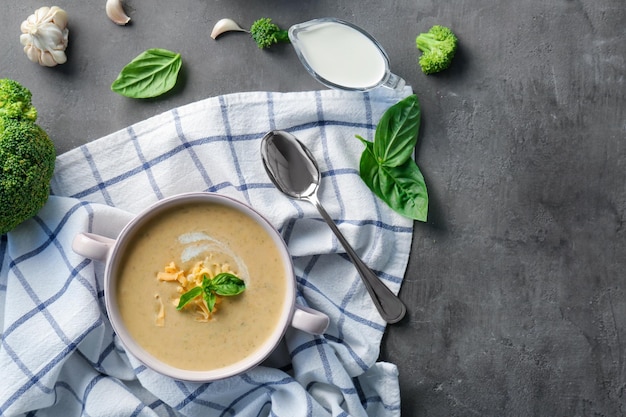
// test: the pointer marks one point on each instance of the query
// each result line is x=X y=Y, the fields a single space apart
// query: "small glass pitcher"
x=342 y=55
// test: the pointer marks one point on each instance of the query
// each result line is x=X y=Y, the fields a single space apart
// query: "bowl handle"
x=93 y=246
x=309 y=320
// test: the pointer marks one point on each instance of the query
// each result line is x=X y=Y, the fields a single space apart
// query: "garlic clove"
x=25 y=39
x=58 y=56
x=115 y=12
x=32 y=53
x=58 y=16
x=47 y=59
x=225 y=25
x=40 y=15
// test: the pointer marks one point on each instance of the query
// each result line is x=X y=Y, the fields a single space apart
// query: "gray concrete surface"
x=515 y=285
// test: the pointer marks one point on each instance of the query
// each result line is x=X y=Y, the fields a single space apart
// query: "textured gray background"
x=515 y=285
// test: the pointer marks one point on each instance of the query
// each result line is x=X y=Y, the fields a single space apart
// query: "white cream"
x=196 y=245
x=342 y=55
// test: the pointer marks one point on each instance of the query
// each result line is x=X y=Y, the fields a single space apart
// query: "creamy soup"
x=185 y=235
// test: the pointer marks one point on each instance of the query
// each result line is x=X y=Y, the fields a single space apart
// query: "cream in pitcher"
x=342 y=55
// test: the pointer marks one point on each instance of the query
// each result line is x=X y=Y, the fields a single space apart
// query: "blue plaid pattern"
x=58 y=353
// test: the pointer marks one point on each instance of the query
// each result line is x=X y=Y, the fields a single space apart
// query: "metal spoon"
x=294 y=171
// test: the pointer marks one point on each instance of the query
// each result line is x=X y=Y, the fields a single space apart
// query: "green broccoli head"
x=438 y=47
x=265 y=33
x=15 y=100
x=27 y=158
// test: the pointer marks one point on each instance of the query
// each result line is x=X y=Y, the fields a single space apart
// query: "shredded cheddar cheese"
x=187 y=280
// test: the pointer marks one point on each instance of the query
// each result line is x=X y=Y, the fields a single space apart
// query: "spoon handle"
x=390 y=307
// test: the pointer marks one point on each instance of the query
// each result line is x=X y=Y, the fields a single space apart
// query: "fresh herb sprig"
x=150 y=74
x=224 y=284
x=387 y=166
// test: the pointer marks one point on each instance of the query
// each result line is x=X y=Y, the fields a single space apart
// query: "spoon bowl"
x=293 y=169
x=290 y=165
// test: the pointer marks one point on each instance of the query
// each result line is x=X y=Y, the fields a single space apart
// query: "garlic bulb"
x=115 y=12
x=45 y=36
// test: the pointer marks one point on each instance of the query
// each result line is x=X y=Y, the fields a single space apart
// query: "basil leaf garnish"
x=150 y=74
x=228 y=284
x=188 y=296
x=387 y=166
x=224 y=284
x=209 y=298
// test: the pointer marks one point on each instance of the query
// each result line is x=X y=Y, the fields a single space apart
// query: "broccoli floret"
x=15 y=100
x=438 y=47
x=265 y=33
x=27 y=158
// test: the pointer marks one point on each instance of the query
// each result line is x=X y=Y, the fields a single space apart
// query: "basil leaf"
x=400 y=185
x=188 y=296
x=207 y=283
x=368 y=165
x=224 y=284
x=228 y=284
x=210 y=298
x=403 y=188
x=150 y=74
x=396 y=132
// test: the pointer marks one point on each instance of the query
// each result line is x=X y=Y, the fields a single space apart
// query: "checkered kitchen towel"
x=58 y=354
